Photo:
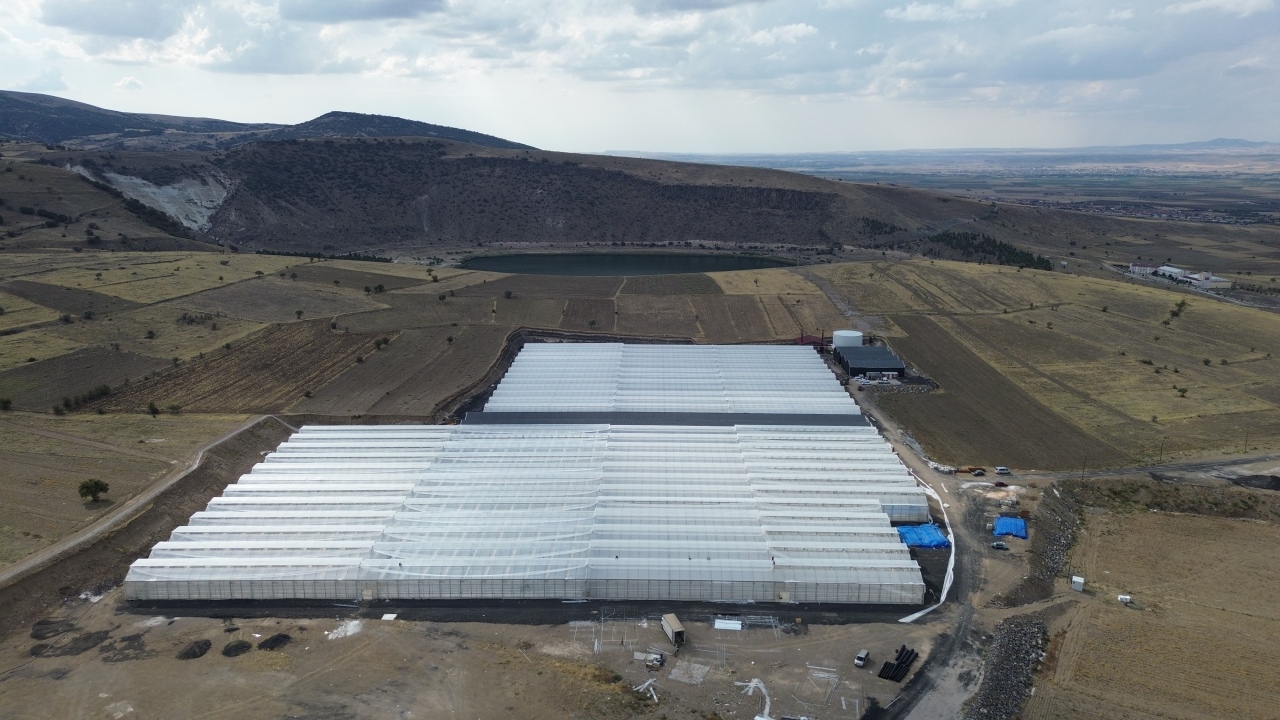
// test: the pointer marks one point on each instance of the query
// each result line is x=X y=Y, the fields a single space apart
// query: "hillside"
x=353 y=125
x=49 y=119
x=57 y=121
x=406 y=196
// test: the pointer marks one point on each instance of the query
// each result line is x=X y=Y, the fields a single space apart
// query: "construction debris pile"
x=1015 y=651
x=900 y=666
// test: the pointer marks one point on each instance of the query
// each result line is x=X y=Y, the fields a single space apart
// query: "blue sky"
x=678 y=75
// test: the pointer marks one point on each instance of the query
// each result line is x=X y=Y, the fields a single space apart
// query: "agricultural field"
x=41 y=385
x=688 y=284
x=354 y=278
x=162 y=331
x=276 y=299
x=152 y=277
x=413 y=374
x=266 y=373
x=71 y=301
x=543 y=286
x=657 y=315
x=32 y=346
x=19 y=311
x=1204 y=615
x=1140 y=366
x=45 y=458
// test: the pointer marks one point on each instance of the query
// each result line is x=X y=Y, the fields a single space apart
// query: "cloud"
x=1249 y=67
x=48 y=80
x=927 y=12
x=149 y=19
x=1242 y=8
x=129 y=82
x=336 y=11
x=788 y=34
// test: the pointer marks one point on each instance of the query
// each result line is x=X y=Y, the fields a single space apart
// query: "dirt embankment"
x=105 y=562
x=1155 y=493
x=1053 y=532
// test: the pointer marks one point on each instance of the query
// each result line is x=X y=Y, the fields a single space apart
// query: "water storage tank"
x=846 y=338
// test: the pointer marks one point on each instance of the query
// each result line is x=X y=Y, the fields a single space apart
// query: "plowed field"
x=980 y=417
x=264 y=374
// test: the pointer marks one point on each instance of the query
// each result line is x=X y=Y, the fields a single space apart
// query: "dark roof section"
x=660 y=418
x=873 y=357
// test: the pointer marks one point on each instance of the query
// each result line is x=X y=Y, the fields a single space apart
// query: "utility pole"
x=1082 y=464
x=1246 y=439
x=1162 y=439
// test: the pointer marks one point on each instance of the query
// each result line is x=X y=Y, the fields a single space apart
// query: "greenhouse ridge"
x=764 y=484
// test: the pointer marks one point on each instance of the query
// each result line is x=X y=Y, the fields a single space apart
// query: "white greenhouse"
x=566 y=487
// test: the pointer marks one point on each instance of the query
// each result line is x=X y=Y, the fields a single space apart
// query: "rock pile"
x=1012 y=656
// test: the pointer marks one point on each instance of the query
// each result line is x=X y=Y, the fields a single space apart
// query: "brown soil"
x=277 y=299
x=687 y=284
x=266 y=373
x=545 y=286
x=104 y=563
x=980 y=416
x=40 y=385
x=72 y=301
x=326 y=274
x=579 y=312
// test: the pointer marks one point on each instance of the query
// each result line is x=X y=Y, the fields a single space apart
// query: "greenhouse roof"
x=767 y=511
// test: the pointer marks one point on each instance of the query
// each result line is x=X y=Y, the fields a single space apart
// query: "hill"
x=54 y=120
x=351 y=125
x=57 y=121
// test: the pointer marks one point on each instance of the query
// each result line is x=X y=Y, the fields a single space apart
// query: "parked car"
x=1000 y=483
x=979 y=472
x=1002 y=470
x=997 y=545
x=861 y=660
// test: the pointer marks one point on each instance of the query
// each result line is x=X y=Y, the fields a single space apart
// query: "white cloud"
x=1125 y=14
x=332 y=11
x=783 y=34
x=1242 y=8
x=151 y=19
x=129 y=82
x=48 y=80
x=926 y=12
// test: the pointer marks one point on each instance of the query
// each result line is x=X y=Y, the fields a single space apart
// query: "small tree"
x=507 y=294
x=298 y=313
x=151 y=408
x=93 y=488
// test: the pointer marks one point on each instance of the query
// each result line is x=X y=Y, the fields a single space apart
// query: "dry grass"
x=46 y=457
x=20 y=311
x=1204 y=640
x=17 y=350
x=174 y=335
x=1107 y=372
x=276 y=299
x=769 y=281
x=267 y=373
x=657 y=315
x=152 y=277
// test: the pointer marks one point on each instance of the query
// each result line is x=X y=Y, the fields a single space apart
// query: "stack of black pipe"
x=900 y=666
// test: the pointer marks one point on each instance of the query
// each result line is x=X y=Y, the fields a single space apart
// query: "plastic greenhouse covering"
x=554 y=510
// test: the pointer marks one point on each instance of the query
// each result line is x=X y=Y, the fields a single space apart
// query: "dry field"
x=588 y=315
x=543 y=286
x=369 y=276
x=45 y=458
x=1203 y=639
x=1107 y=355
x=73 y=301
x=413 y=375
x=450 y=279
x=980 y=417
x=688 y=284
x=275 y=299
x=32 y=346
x=40 y=385
x=346 y=666
x=20 y=311
x=266 y=373
x=152 y=277
x=174 y=332
x=657 y=315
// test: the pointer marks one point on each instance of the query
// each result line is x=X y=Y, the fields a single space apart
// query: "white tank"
x=846 y=338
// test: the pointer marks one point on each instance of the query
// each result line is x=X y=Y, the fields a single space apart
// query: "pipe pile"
x=901 y=665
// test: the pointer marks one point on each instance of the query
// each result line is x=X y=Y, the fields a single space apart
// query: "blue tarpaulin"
x=1016 y=527
x=923 y=536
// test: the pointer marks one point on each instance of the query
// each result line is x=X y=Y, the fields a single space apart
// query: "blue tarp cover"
x=1016 y=527
x=923 y=536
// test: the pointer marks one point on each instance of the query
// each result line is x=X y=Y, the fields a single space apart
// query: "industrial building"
x=595 y=471
x=858 y=359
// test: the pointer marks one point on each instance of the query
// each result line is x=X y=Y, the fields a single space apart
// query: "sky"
x=694 y=76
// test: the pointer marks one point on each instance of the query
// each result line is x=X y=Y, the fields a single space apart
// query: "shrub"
x=93 y=488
